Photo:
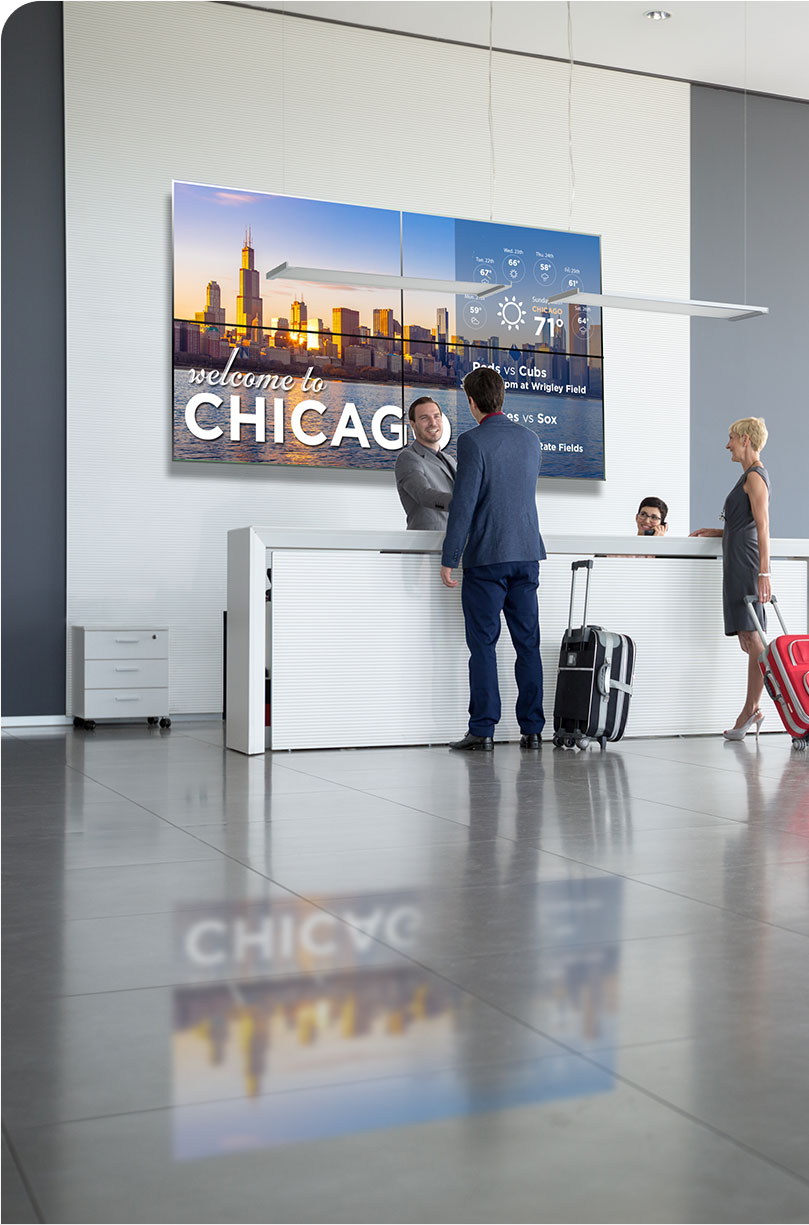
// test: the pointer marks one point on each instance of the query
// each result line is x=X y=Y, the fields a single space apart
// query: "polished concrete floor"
x=404 y=985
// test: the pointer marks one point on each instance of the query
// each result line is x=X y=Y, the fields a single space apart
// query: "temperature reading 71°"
x=552 y=323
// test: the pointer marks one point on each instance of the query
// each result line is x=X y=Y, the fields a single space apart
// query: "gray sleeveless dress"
x=740 y=560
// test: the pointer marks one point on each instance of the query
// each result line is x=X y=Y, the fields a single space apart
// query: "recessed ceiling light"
x=657 y=15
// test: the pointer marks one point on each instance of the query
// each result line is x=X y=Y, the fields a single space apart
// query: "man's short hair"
x=486 y=388
x=411 y=412
x=659 y=503
x=754 y=428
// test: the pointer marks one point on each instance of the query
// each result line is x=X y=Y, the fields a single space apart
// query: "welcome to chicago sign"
x=319 y=374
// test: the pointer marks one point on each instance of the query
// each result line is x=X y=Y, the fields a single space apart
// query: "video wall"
x=321 y=374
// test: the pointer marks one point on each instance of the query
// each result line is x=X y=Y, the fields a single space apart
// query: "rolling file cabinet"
x=120 y=674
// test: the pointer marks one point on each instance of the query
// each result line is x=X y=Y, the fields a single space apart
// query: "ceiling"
x=761 y=45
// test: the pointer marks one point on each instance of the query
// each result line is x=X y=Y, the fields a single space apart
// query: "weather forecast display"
x=322 y=373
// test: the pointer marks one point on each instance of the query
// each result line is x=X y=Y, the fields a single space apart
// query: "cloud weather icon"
x=511 y=313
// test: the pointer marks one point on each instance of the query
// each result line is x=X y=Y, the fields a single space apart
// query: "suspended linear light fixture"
x=642 y=302
x=672 y=306
x=379 y=280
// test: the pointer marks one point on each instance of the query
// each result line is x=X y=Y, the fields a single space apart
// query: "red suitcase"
x=784 y=665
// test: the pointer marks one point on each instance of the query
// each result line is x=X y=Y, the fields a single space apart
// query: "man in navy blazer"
x=493 y=523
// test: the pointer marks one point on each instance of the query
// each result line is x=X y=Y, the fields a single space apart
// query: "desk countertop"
x=430 y=542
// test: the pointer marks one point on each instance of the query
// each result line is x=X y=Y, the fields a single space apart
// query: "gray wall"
x=755 y=367
x=33 y=378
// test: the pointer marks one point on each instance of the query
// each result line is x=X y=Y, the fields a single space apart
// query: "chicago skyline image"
x=383 y=349
x=315 y=316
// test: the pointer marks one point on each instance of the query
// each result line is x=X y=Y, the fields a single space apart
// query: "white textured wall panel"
x=368 y=649
x=213 y=93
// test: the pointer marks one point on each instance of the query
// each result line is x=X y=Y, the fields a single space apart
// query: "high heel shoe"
x=739 y=733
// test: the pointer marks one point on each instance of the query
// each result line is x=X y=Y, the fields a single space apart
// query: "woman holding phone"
x=651 y=517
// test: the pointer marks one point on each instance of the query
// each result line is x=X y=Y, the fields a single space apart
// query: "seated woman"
x=651 y=517
x=649 y=521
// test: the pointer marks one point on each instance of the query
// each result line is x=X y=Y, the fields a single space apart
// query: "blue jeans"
x=510 y=588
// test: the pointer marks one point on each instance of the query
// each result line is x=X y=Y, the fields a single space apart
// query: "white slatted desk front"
x=368 y=646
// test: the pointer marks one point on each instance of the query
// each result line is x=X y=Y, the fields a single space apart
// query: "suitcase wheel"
x=799 y=743
x=564 y=740
x=582 y=742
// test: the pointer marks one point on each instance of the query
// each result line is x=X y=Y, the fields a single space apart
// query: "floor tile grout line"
x=555 y=854
x=27 y=1186
x=363 y=791
x=317 y=1088
x=624 y=1079
x=665 y=758
x=141 y=863
x=717 y=1131
x=564 y=1051
x=731 y=821
x=179 y=828
x=412 y=808
x=627 y=751
x=741 y=914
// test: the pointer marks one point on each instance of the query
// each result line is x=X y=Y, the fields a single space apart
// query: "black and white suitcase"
x=594 y=684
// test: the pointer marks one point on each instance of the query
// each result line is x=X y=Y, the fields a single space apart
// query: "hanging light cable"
x=646 y=302
x=571 y=169
x=492 y=155
x=744 y=193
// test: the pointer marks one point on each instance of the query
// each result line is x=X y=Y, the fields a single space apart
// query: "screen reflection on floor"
x=301 y=1023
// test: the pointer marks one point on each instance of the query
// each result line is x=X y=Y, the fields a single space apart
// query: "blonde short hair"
x=755 y=429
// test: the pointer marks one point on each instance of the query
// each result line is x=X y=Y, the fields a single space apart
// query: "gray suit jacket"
x=425 y=487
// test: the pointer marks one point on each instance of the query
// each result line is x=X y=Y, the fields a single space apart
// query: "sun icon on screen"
x=511 y=313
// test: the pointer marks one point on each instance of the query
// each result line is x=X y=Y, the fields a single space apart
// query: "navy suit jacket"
x=493 y=514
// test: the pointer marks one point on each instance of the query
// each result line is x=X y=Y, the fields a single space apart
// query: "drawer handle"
x=127 y=640
x=127 y=669
x=132 y=699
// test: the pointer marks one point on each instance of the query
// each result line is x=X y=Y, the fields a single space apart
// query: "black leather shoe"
x=532 y=741
x=474 y=742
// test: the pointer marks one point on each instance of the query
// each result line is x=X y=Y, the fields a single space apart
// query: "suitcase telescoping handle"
x=751 y=601
x=577 y=565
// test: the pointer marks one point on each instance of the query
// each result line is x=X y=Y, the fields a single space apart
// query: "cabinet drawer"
x=123 y=673
x=126 y=644
x=124 y=703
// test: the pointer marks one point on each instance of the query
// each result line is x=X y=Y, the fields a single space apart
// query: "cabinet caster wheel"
x=152 y=721
x=165 y=722
x=77 y=722
x=90 y=725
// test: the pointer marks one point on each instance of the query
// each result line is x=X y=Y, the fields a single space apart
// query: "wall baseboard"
x=67 y=720
x=35 y=720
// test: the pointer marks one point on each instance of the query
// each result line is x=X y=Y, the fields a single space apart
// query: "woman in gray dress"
x=746 y=559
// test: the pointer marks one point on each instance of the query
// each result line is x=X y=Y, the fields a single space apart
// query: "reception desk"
x=365 y=646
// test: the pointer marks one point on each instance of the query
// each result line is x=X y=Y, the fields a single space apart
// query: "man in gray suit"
x=424 y=476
